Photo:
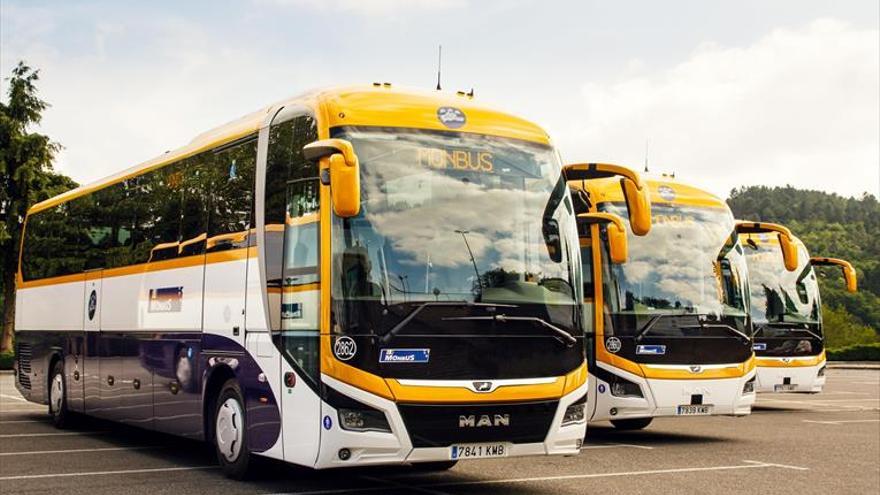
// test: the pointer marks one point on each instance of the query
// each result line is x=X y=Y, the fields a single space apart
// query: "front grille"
x=438 y=425
x=23 y=355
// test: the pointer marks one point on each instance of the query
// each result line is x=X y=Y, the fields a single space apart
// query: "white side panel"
x=264 y=352
x=224 y=298
x=256 y=313
x=120 y=303
x=159 y=307
x=50 y=307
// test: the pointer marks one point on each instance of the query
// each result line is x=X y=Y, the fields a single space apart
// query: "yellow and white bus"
x=356 y=276
x=786 y=308
x=671 y=325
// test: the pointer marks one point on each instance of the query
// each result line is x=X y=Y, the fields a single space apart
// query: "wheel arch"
x=216 y=377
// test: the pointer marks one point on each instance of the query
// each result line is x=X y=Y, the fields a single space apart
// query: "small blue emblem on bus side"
x=328 y=423
x=451 y=117
x=759 y=346
x=404 y=355
x=601 y=388
x=651 y=350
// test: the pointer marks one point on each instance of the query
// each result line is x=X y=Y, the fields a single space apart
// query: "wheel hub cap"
x=57 y=393
x=230 y=429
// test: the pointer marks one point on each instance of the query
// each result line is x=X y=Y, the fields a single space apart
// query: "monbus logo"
x=451 y=117
x=474 y=421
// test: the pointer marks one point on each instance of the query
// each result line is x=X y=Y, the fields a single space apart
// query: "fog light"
x=576 y=412
x=363 y=420
x=749 y=387
x=613 y=411
x=344 y=454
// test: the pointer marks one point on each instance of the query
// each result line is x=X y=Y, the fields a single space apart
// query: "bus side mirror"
x=618 y=247
x=789 y=252
x=344 y=170
x=550 y=230
x=638 y=202
x=635 y=190
x=786 y=239
x=849 y=273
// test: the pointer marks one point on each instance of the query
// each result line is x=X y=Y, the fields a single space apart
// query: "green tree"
x=25 y=174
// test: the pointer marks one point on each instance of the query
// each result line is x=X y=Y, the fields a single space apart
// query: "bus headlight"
x=821 y=372
x=575 y=413
x=749 y=387
x=622 y=387
x=363 y=420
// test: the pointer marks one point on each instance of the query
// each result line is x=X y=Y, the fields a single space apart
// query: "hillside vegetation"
x=833 y=226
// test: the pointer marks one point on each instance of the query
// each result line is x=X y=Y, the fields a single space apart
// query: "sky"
x=723 y=94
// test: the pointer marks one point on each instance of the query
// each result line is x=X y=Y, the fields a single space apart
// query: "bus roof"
x=367 y=105
x=665 y=190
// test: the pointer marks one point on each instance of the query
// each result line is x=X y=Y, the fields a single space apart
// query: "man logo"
x=613 y=345
x=473 y=421
x=666 y=193
x=451 y=117
x=483 y=386
x=696 y=369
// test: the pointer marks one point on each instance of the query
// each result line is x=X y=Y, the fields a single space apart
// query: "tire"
x=434 y=466
x=230 y=433
x=631 y=424
x=57 y=393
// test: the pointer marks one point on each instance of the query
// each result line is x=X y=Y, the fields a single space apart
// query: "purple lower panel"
x=263 y=412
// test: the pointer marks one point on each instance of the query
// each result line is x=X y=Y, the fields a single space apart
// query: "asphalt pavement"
x=799 y=444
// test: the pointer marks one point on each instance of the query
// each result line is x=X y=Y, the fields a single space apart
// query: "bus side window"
x=194 y=204
x=232 y=182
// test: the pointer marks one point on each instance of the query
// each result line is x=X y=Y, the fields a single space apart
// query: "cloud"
x=798 y=106
x=367 y=7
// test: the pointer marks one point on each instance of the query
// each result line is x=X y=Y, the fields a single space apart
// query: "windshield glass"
x=778 y=295
x=690 y=263
x=455 y=217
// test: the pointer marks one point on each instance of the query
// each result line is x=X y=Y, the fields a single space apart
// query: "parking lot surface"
x=825 y=443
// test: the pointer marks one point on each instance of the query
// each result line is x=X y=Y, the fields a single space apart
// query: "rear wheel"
x=434 y=466
x=230 y=434
x=58 y=396
x=631 y=424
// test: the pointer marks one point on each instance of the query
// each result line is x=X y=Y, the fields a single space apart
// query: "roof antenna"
x=646 y=156
x=439 y=61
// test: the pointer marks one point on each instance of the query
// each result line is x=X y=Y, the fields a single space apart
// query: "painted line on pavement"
x=77 y=451
x=843 y=421
x=105 y=473
x=748 y=465
x=53 y=434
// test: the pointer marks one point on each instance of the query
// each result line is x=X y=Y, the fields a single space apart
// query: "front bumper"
x=790 y=377
x=661 y=397
x=373 y=448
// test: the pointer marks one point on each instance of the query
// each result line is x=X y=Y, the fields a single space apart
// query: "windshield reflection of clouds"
x=776 y=293
x=686 y=264
x=430 y=201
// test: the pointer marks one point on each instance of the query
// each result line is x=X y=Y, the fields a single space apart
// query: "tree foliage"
x=833 y=226
x=26 y=176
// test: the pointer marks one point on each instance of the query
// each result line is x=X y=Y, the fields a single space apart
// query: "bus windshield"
x=450 y=218
x=778 y=295
x=691 y=263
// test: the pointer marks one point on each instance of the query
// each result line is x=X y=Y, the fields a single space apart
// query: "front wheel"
x=230 y=434
x=58 y=396
x=631 y=424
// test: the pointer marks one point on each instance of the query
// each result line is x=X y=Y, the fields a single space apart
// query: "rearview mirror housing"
x=786 y=239
x=635 y=191
x=618 y=247
x=849 y=272
x=344 y=169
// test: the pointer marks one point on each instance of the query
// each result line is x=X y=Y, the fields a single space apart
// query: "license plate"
x=694 y=410
x=478 y=451
x=784 y=387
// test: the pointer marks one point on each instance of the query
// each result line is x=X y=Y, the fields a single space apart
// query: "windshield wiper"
x=647 y=328
x=412 y=314
x=561 y=335
x=787 y=325
x=722 y=326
